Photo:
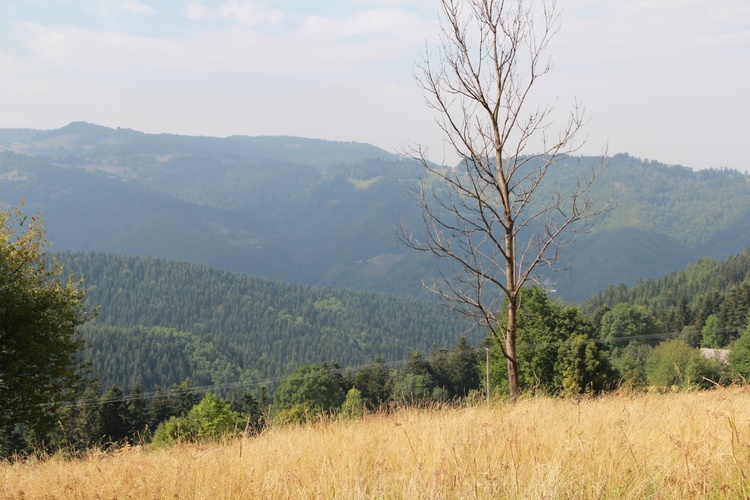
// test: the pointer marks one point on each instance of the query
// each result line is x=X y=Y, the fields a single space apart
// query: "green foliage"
x=739 y=356
x=372 y=383
x=626 y=322
x=354 y=404
x=683 y=300
x=557 y=352
x=115 y=418
x=713 y=334
x=674 y=363
x=691 y=335
x=300 y=413
x=413 y=388
x=40 y=313
x=171 y=431
x=630 y=363
x=455 y=370
x=582 y=367
x=316 y=388
x=414 y=383
x=249 y=406
x=161 y=322
x=211 y=419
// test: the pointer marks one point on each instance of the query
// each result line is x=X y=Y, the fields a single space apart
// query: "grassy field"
x=677 y=445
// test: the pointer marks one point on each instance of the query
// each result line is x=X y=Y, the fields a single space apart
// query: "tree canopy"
x=40 y=311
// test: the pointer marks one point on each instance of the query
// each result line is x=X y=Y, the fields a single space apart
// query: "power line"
x=176 y=391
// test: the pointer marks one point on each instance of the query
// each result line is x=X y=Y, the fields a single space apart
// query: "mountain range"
x=318 y=212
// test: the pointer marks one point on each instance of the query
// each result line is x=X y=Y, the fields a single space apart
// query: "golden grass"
x=677 y=445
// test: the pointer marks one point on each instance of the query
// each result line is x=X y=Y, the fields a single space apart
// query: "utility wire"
x=176 y=391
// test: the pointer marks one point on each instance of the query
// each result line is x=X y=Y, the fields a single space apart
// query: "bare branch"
x=494 y=216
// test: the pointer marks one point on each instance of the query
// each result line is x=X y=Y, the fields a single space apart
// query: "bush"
x=299 y=413
x=674 y=363
x=354 y=404
x=211 y=419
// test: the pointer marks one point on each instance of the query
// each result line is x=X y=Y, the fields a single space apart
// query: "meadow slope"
x=676 y=445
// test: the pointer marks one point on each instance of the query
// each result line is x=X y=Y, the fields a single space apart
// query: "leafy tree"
x=414 y=383
x=311 y=385
x=496 y=217
x=691 y=335
x=160 y=409
x=250 y=407
x=734 y=308
x=739 y=356
x=40 y=312
x=413 y=388
x=372 y=383
x=182 y=398
x=713 y=334
x=213 y=418
x=630 y=363
x=627 y=322
x=86 y=430
x=558 y=352
x=582 y=367
x=12 y=441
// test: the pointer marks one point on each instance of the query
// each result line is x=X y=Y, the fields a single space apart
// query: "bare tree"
x=492 y=215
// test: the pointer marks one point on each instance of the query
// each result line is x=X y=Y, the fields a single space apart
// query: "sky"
x=665 y=80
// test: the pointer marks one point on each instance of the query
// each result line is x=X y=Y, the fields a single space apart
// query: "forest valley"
x=141 y=389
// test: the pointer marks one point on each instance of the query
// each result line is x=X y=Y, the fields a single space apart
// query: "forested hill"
x=80 y=140
x=163 y=321
x=664 y=217
x=326 y=213
x=684 y=300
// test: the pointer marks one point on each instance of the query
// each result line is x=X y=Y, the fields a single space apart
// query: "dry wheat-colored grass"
x=677 y=445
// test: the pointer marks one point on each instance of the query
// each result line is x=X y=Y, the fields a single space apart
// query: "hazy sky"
x=661 y=79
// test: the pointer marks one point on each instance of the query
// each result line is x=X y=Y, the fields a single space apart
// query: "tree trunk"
x=510 y=351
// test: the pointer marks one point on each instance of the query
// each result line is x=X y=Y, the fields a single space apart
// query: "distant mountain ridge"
x=323 y=212
x=87 y=139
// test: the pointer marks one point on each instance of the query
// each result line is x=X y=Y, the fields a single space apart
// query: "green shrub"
x=211 y=419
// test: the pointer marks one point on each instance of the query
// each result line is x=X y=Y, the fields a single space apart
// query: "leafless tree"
x=493 y=215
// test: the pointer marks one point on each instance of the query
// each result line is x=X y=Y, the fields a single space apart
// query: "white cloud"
x=198 y=12
x=242 y=12
x=106 y=7
x=314 y=44
x=249 y=13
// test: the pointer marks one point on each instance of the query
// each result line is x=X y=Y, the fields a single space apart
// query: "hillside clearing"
x=624 y=445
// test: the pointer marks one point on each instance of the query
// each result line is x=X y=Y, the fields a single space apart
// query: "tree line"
x=562 y=352
x=162 y=321
x=705 y=304
x=53 y=397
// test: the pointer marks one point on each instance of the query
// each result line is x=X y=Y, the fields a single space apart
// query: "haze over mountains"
x=325 y=213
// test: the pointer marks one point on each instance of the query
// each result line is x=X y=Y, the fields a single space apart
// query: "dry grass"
x=624 y=446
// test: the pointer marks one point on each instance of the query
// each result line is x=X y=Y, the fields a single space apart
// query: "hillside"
x=325 y=213
x=683 y=300
x=622 y=445
x=161 y=322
